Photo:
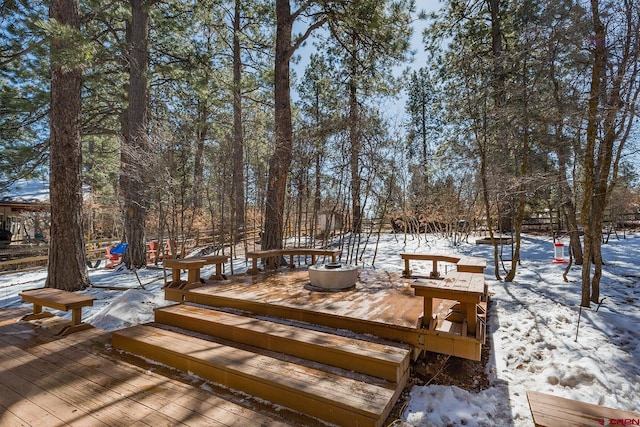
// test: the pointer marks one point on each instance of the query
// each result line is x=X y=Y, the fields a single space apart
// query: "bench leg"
x=254 y=266
x=193 y=279
x=76 y=323
x=175 y=282
x=271 y=263
x=407 y=270
x=37 y=313
x=434 y=273
x=218 y=275
x=471 y=316
x=428 y=312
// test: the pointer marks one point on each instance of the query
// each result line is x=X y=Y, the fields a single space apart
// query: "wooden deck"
x=80 y=380
x=288 y=345
x=382 y=304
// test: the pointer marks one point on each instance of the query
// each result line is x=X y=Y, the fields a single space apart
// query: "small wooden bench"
x=192 y=266
x=58 y=300
x=466 y=288
x=218 y=260
x=271 y=254
x=551 y=411
x=464 y=264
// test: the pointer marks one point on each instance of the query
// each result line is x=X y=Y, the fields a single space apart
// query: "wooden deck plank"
x=370 y=358
x=156 y=419
x=163 y=395
x=301 y=379
x=75 y=390
x=18 y=380
x=319 y=394
x=10 y=420
x=173 y=400
x=18 y=410
x=549 y=410
x=131 y=385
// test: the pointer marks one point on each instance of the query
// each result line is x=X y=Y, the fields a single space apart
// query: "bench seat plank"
x=56 y=298
x=464 y=264
x=270 y=254
x=551 y=411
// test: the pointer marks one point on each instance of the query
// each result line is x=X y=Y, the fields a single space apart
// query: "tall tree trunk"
x=354 y=159
x=133 y=172
x=202 y=128
x=591 y=233
x=567 y=204
x=317 y=153
x=482 y=151
x=281 y=158
x=499 y=97
x=499 y=77
x=238 y=132
x=67 y=256
x=524 y=170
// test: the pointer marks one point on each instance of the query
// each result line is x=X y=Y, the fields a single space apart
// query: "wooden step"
x=383 y=361
x=323 y=395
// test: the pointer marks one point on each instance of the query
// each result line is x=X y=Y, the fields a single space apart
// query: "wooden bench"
x=192 y=266
x=551 y=411
x=58 y=300
x=218 y=260
x=464 y=264
x=466 y=288
x=270 y=254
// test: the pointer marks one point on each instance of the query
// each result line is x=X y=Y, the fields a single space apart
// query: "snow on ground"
x=532 y=325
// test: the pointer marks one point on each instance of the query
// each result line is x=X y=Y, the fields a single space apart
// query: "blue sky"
x=416 y=45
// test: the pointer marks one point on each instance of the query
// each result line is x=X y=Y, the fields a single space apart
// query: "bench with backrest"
x=464 y=264
x=269 y=255
x=550 y=411
x=58 y=300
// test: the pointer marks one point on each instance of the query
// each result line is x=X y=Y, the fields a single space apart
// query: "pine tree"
x=67 y=263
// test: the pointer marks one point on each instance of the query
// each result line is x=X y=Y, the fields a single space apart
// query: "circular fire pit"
x=333 y=276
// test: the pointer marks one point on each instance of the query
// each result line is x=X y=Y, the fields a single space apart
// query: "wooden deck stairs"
x=346 y=381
